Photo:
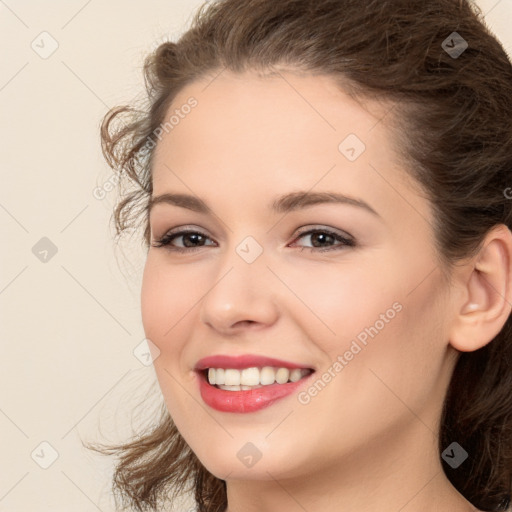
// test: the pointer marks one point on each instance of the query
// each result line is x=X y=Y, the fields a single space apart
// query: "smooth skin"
x=367 y=441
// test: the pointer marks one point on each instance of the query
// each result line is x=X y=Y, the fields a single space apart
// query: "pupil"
x=194 y=236
x=321 y=235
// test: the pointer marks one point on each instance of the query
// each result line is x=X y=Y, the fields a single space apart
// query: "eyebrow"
x=287 y=203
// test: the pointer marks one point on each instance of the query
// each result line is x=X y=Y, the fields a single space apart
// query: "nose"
x=241 y=297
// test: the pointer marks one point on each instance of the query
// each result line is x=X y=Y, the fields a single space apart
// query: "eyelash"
x=166 y=240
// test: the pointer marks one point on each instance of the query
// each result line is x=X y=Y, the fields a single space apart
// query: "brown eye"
x=325 y=240
x=190 y=240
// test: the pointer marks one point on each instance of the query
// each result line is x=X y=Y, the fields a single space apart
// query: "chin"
x=243 y=460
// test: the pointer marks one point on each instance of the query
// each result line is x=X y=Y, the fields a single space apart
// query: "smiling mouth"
x=232 y=379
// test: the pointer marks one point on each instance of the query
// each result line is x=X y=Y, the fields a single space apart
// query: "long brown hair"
x=453 y=126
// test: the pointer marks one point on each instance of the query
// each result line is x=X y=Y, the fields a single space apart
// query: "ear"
x=487 y=293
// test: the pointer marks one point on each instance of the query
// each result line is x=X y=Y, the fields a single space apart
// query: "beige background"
x=70 y=324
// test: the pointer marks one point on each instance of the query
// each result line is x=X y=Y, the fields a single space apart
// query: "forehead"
x=263 y=117
x=289 y=103
x=256 y=134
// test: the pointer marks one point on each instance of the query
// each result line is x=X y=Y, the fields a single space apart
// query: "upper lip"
x=244 y=361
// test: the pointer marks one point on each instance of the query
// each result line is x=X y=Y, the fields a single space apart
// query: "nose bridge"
x=241 y=291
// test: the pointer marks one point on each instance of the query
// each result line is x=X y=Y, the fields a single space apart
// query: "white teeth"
x=249 y=378
x=267 y=375
x=230 y=388
x=237 y=388
x=282 y=375
x=232 y=377
x=295 y=374
x=219 y=375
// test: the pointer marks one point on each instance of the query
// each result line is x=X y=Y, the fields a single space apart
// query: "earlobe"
x=488 y=293
x=471 y=306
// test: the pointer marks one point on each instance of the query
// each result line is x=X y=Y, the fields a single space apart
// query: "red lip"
x=244 y=361
x=246 y=401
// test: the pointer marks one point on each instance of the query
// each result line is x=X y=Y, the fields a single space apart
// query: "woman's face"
x=350 y=288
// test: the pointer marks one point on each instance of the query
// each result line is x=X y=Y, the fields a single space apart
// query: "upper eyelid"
x=180 y=229
x=300 y=231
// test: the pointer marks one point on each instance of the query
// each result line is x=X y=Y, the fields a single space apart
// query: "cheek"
x=338 y=302
x=369 y=315
x=384 y=359
x=154 y=301
x=166 y=302
x=167 y=293
x=166 y=298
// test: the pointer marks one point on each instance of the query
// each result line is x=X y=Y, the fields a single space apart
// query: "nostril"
x=244 y=323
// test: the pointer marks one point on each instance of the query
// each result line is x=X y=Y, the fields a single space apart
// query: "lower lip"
x=249 y=400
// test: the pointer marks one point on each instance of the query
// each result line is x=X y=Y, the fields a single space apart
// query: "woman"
x=327 y=293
